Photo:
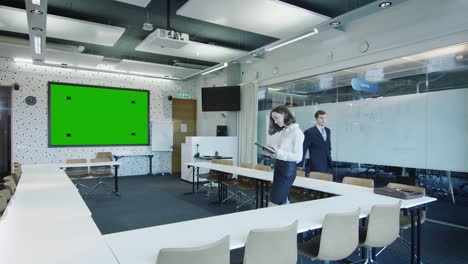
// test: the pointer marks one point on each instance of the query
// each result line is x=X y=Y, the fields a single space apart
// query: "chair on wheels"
x=381 y=230
x=245 y=184
x=272 y=246
x=338 y=240
x=369 y=183
x=214 y=253
x=77 y=173
x=101 y=172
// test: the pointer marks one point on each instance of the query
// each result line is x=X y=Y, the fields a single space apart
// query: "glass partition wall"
x=402 y=120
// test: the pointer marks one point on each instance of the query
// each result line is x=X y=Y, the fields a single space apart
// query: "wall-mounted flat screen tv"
x=226 y=98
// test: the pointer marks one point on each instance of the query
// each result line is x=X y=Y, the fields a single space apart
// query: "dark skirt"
x=283 y=178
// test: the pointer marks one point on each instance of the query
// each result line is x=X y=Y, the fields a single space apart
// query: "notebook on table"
x=398 y=193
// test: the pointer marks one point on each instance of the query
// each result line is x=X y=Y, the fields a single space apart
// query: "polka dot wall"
x=30 y=125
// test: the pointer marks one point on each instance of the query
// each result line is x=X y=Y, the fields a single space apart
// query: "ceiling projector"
x=169 y=39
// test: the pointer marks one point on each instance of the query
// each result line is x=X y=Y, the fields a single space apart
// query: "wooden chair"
x=369 y=183
x=245 y=184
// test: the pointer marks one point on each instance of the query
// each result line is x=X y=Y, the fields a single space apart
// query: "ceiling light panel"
x=266 y=17
x=140 y=3
x=73 y=58
x=155 y=69
x=15 y=20
x=193 y=50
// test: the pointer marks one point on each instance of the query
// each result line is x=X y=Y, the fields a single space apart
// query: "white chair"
x=338 y=240
x=3 y=204
x=272 y=246
x=6 y=193
x=214 y=253
x=382 y=229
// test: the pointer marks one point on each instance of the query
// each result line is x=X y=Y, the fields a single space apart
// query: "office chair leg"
x=368 y=258
x=380 y=251
x=249 y=199
x=100 y=183
x=229 y=197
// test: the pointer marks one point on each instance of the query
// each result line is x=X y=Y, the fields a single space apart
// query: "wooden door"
x=184 y=116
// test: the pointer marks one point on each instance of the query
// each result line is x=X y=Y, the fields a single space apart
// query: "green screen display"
x=97 y=116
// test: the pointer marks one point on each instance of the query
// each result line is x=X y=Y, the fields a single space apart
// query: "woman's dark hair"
x=288 y=119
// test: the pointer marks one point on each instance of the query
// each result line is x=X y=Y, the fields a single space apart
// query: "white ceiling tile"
x=54 y=57
x=15 y=20
x=140 y=3
x=193 y=50
x=267 y=17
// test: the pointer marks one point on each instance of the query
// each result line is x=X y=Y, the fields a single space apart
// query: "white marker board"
x=162 y=136
x=427 y=130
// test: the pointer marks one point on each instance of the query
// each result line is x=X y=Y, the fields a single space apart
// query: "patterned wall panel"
x=29 y=123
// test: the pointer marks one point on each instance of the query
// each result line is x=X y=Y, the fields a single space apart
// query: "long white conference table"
x=47 y=221
x=141 y=246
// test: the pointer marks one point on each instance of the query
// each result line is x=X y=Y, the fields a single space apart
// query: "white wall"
x=29 y=123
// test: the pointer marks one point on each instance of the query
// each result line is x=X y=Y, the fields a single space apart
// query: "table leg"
x=256 y=193
x=193 y=179
x=261 y=194
x=198 y=179
x=418 y=236
x=413 y=230
x=151 y=165
x=116 y=181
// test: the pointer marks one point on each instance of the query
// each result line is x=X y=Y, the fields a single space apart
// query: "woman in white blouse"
x=288 y=152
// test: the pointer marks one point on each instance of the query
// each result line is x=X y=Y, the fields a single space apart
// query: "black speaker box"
x=221 y=131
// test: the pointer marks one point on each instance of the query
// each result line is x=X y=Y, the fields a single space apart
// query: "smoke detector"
x=147 y=26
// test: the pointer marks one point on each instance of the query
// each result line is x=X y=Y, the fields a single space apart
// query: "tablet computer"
x=263 y=147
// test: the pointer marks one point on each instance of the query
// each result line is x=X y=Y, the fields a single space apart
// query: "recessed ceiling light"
x=37 y=44
x=36 y=29
x=335 y=23
x=385 y=4
x=36 y=12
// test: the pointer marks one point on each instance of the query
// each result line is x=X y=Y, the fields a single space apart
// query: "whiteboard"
x=162 y=136
x=428 y=130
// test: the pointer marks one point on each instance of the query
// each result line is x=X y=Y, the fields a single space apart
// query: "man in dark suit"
x=317 y=142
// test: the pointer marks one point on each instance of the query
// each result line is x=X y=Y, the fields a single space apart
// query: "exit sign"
x=184 y=96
